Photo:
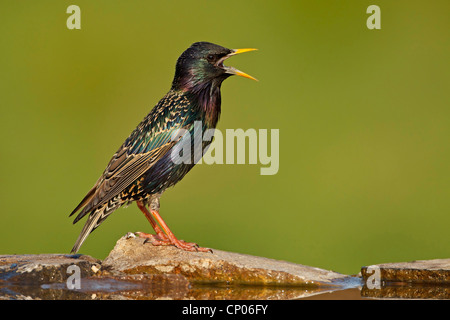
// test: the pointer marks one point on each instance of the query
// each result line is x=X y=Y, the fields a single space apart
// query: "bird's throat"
x=206 y=98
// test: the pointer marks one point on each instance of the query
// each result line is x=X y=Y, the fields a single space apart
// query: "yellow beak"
x=237 y=51
x=235 y=71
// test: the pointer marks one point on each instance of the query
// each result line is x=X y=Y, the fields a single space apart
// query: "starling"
x=143 y=167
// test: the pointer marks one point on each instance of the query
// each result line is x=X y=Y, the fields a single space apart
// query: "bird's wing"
x=123 y=169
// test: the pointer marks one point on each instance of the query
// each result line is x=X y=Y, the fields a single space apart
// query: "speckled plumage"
x=142 y=168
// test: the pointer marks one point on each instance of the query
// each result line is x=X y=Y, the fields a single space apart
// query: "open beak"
x=232 y=70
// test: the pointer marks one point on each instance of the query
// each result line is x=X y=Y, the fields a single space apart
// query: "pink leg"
x=167 y=237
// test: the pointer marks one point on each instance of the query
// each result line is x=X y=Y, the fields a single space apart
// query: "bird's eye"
x=210 y=57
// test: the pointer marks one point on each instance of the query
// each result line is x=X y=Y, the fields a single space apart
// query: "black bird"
x=144 y=167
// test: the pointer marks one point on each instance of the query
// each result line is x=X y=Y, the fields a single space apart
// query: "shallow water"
x=163 y=287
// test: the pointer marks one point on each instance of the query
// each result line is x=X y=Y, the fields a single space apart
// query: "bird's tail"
x=96 y=217
x=94 y=220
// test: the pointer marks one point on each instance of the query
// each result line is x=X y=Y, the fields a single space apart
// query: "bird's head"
x=202 y=63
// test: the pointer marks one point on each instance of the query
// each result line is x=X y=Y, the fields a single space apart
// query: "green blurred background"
x=364 y=119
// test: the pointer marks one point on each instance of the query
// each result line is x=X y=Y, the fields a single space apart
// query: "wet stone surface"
x=134 y=270
x=131 y=256
x=421 y=279
x=44 y=268
x=420 y=271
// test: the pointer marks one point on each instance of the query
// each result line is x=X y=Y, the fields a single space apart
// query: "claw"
x=165 y=238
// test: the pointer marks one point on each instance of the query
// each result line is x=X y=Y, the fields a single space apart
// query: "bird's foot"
x=189 y=246
x=155 y=239
x=163 y=240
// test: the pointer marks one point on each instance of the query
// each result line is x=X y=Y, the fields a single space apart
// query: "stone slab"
x=131 y=256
